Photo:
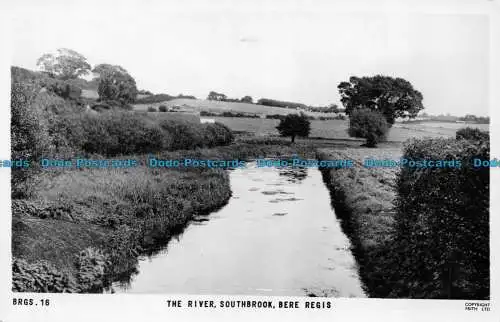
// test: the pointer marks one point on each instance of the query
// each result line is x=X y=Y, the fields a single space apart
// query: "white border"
x=148 y=307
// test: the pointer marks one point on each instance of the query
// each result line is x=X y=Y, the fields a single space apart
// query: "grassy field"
x=192 y=105
x=178 y=116
x=337 y=129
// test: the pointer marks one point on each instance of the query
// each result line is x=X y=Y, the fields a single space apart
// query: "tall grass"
x=115 y=214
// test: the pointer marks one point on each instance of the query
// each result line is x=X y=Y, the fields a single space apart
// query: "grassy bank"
x=417 y=232
x=82 y=229
x=120 y=213
x=363 y=199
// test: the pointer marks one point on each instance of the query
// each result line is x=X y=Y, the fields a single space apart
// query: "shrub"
x=217 y=134
x=208 y=113
x=237 y=114
x=275 y=116
x=91 y=265
x=29 y=135
x=162 y=108
x=61 y=88
x=115 y=133
x=442 y=227
x=29 y=139
x=151 y=109
x=184 y=135
x=40 y=276
x=368 y=124
x=471 y=133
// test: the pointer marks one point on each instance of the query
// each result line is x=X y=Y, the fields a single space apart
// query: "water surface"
x=278 y=235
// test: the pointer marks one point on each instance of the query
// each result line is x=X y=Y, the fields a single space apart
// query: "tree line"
x=332 y=108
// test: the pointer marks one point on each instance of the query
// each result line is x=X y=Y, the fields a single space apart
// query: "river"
x=278 y=235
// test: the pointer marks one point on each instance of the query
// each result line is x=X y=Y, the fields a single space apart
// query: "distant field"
x=218 y=107
x=332 y=129
x=158 y=116
x=87 y=93
x=337 y=129
x=90 y=93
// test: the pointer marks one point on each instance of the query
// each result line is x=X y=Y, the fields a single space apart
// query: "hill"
x=195 y=105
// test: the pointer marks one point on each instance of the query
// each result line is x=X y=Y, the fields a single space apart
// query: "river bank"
x=363 y=199
x=82 y=230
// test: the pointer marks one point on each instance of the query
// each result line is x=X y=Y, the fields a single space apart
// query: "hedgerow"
x=471 y=133
x=442 y=228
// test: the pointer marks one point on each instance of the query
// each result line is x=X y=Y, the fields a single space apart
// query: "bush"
x=442 y=227
x=471 y=133
x=91 y=265
x=61 y=88
x=30 y=139
x=41 y=277
x=208 y=113
x=368 y=124
x=151 y=109
x=275 y=116
x=217 y=134
x=114 y=133
x=162 y=108
x=185 y=135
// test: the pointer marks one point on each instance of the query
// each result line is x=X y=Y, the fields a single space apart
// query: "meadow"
x=192 y=105
x=337 y=129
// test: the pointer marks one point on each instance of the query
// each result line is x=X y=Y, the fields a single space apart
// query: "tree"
x=214 y=96
x=115 y=84
x=392 y=97
x=247 y=99
x=294 y=125
x=333 y=108
x=368 y=124
x=106 y=69
x=66 y=64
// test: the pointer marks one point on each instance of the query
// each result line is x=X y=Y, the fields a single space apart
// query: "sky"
x=295 y=51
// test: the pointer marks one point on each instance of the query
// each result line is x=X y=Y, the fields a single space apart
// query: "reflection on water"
x=293 y=175
x=278 y=235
